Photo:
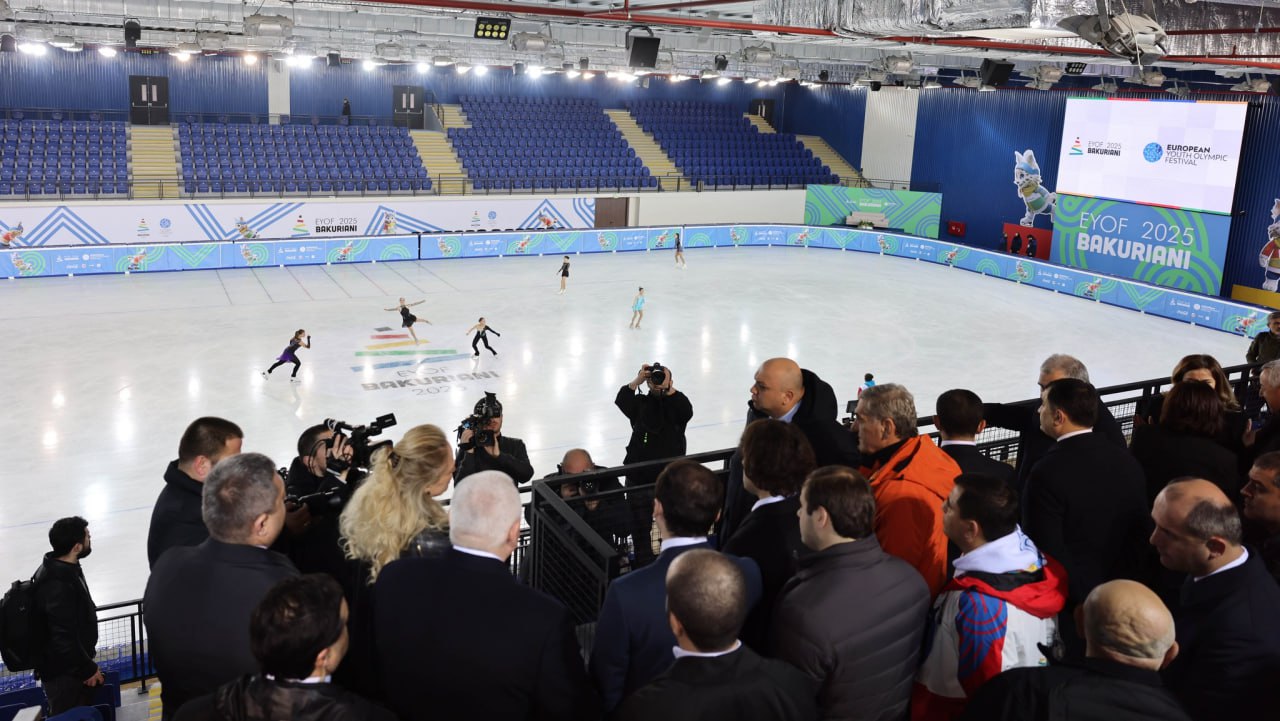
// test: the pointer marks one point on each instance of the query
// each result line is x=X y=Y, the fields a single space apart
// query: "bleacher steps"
x=448 y=176
x=649 y=152
x=451 y=116
x=830 y=158
x=153 y=156
x=762 y=125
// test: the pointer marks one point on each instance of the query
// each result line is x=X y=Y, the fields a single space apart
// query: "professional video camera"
x=327 y=502
x=358 y=440
x=657 y=375
x=486 y=410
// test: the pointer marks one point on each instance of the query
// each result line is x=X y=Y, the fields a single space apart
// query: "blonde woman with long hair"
x=394 y=513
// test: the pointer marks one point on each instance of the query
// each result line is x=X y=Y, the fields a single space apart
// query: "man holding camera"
x=482 y=447
x=315 y=493
x=658 y=421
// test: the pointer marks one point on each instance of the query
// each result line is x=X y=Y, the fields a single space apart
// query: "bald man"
x=1129 y=637
x=714 y=676
x=786 y=392
x=1229 y=615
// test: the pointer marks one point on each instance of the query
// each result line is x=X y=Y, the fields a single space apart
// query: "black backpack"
x=21 y=627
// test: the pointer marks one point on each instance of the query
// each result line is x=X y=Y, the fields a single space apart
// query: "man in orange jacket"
x=911 y=477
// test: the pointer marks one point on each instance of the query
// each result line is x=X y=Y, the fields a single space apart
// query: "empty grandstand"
x=223 y=158
x=52 y=157
x=713 y=144
x=526 y=143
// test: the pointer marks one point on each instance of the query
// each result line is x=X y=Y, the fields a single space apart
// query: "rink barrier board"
x=1217 y=313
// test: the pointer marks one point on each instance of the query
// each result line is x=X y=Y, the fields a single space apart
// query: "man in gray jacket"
x=853 y=616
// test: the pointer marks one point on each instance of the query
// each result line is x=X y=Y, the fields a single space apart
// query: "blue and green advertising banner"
x=904 y=210
x=1168 y=247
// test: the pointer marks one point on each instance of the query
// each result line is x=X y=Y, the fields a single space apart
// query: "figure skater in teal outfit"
x=637 y=309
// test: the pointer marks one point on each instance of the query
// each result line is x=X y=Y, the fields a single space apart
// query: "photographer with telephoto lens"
x=482 y=447
x=658 y=421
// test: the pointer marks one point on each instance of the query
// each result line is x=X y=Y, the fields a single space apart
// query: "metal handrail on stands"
x=558 y=534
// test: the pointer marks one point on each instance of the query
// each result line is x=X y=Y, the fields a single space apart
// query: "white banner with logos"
x=133 y=223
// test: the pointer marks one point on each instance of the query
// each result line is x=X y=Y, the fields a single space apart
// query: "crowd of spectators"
x=836 y=571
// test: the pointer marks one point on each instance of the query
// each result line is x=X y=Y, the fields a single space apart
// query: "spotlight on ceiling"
x=482 y=70
x=250 y=59
x=1179 y=89
x=1150 y=77
x=723 y=80
x=824 y=75
x=931 y=84
x=107 y=51
x=441 y=61
x=1103 y=86
x=721 y=63
x=462 y=68
x=423 y=68
x=492 y=28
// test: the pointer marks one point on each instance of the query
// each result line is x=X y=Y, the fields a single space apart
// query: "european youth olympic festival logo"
x=1152 y=152
x=1077 y=148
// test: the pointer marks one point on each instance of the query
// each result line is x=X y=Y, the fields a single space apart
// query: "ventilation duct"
x=274 y=26
x=1029 y=21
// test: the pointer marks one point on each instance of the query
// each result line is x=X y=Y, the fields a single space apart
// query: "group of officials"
x=857 y=571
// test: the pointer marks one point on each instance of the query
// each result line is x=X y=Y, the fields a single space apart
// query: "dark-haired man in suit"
x=959 y=421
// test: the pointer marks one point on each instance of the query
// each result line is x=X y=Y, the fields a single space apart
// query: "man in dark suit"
x=199 y=598
x=633 y=637
x=1228 y=629
x=714 y=676
x=1129 y=638
x=1032 y=442
x=176 y=519
x=1085 y=502
x=458 y=637
x=786 y=392
x=959 y=421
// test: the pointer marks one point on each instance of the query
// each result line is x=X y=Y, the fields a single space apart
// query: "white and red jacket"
x=995 y=615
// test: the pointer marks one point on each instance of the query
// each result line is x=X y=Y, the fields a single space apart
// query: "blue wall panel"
x=835 y=113
x=319 y=90
x=965 y=142
x=1257 y=188
x=88 y=81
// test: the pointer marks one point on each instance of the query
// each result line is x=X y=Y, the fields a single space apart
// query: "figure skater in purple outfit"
x=290 y=355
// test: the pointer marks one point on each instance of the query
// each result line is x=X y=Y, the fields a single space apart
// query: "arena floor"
x=105 y=372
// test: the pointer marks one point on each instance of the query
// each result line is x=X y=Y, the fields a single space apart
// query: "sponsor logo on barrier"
x=1152 y=152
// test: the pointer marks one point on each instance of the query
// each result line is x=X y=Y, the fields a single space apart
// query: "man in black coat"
x=786 y=392
x=1022 y=417
x=199 y=598
x=658 y=420
x=1228 y=628
x=459 y=638
x=1129 y=638
x=299 y=636
x=66 y=668
x=860 y=645
x=175 y=520
x=715 y=677
x=1085 y=502
x=959 y=421
x=1262 y=511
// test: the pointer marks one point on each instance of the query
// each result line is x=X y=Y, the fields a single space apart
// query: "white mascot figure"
x=1269 y=258
x=1038 y=199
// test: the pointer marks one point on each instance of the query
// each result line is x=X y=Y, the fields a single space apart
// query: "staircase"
x=153 y=157
x=653 y=156
x=762 y=125
x=438 y=156
x=830 y=158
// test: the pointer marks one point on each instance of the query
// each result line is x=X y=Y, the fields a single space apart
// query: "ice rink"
x=104 y=373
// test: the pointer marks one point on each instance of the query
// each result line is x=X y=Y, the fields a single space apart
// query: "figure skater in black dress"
x=481 y=328
x=290 y=355
x=679 y=252
x=564 y=273
x=407 y=319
